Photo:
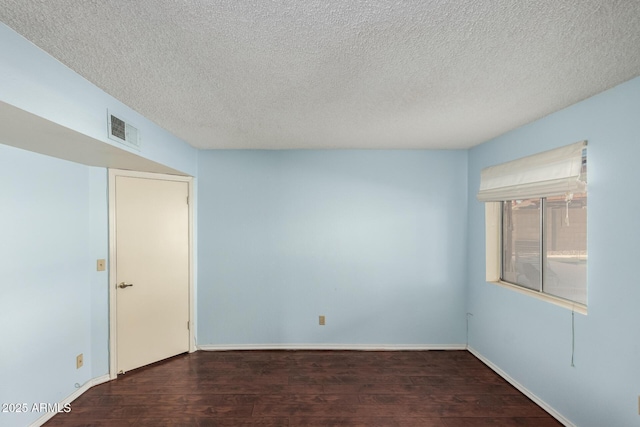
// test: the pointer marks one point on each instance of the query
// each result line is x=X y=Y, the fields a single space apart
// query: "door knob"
x=124 y=285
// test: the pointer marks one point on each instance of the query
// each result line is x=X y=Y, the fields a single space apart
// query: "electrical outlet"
x=100 y=265
x=79 y=361
x=321 y=321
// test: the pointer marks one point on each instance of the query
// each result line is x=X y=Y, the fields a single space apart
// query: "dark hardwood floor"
x=308 y=388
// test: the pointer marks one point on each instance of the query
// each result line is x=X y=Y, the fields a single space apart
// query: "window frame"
x=493 y=242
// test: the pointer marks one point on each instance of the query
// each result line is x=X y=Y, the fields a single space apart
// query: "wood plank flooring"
x=309 y=389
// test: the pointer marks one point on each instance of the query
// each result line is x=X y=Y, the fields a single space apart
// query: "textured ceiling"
x=335 y=73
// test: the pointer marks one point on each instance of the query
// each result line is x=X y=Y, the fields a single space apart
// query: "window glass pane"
x=565 y=237
x=521 y=243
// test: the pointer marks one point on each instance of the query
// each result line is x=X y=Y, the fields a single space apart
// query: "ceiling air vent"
x=123 y=132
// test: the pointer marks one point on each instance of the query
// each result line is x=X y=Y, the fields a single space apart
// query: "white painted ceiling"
x=279 y=74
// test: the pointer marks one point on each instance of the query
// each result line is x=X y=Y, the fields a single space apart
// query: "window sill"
x=570 y=305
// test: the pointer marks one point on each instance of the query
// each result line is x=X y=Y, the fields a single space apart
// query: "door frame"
x=113 y=173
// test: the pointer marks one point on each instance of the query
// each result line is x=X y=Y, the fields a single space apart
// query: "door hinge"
x=188 y=326
x=187 y=199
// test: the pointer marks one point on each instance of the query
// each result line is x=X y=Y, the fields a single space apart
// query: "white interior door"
x=152 y=270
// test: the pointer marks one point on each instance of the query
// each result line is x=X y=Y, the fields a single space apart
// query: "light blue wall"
x=531 y=340
x=47 y=277
x=99 y=249
x=373 y=240
x=32 y=80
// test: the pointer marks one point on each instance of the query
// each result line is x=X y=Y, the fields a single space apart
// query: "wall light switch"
x=79 y=361
x=321 y=321
x=101 y=265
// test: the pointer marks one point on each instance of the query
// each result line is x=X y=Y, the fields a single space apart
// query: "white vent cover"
x=123 y=132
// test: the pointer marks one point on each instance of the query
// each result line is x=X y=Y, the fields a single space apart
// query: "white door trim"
x=113 y=173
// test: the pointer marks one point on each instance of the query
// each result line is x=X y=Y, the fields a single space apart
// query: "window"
x=537 y=225
x=544 y=245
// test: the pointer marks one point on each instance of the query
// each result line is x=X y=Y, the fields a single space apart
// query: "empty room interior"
x=338 y=164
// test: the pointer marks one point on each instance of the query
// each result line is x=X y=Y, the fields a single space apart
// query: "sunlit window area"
x=544 y=245
x=537 y=224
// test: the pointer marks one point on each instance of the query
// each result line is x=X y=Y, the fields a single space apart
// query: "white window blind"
x=550 y=173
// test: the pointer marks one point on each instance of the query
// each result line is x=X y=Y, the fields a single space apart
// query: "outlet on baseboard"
x=321 y=320
x=79 y=361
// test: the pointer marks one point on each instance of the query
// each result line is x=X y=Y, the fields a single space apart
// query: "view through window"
x=544 y=245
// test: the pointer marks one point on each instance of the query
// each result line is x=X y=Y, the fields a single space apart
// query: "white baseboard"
x=356 y=347
x=541 y=403
x=73 y=396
